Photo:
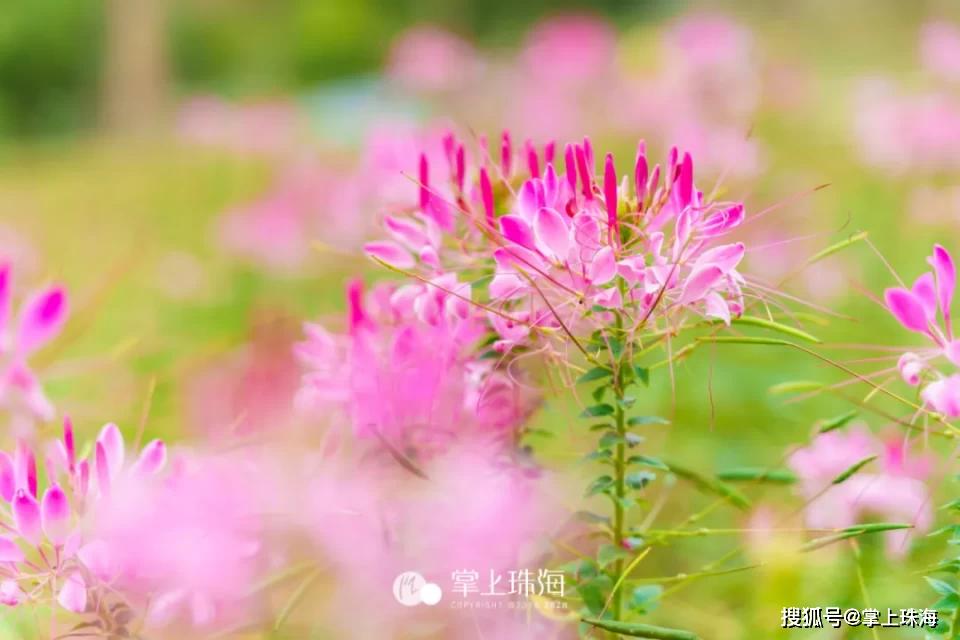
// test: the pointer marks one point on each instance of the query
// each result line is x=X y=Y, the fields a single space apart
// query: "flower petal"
x=943 y=267
x=389 y=252
x=26 y=515
x=9 y=551
x=907 y=309
x=699 y=283
x=41 y=319
x=516 y=230
x=55 y=513
x=73 y=594
x=603 y=267
x=552 y=233
x=924 y=289
x=152 y=458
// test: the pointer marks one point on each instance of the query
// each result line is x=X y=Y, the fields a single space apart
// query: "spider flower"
x=895 y=492
x=39 y=320
x=569 y=243
x=49 y=554
x=406 y=369
x=926 y=308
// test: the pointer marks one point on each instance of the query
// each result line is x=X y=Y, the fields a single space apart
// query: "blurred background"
x=202 y=174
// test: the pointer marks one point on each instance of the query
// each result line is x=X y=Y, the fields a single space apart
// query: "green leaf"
x=643 y=375
x=592 y=592
x=596 y=373
x=776 y=326
x=591 y=517
x=794 y=386
x=638 y=630
x=610 y=440
x=608 y=554
x=627 y=401
x=745 y=340
x=638 y=421
x=852 y=469
x=639 y=479
x=598 y=393
x=941 y=587
x=599 y=485
x=710 y=485
x=832 y=249
x=648 y=461
x=851 y=532
x=597 y=410
x=836 y=422
x=748 y=474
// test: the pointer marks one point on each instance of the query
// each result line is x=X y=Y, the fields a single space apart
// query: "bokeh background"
x=202 y=173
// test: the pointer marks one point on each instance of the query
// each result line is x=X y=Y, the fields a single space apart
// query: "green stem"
x=955 y=623
x=620 y=489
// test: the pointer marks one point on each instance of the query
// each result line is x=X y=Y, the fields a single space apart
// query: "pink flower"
x=569 y=49
x=430 y=59
x=568 y=244
x=189 y=538
x=891 y=487
x=41 y=318
x=943 y=396
x=406 y=370
x=940 y=49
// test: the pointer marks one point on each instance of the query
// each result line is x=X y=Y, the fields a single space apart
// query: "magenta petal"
x=26 y=515
x=6 y=290
x=10 y=593
x=55 y=512
x=924 y=288
x=8 y=480
x=486 y=195
x=726 y=256
x=552 y=233
x=699 y=283
x=9 y=551
x=102 y=468
x=68 y=443
x=25 y=464
x=406 y=232
x=152 y=458
x=112 y=441
x=610 y=196
x=603 y=268
x=516 y=230
x=942 y=264
x=41 y=319
x=389 y=252
x=685 y=186
x=907 y=309
x=73 y=594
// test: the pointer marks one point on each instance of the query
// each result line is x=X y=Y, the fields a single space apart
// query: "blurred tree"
x=49 y=53
x=135 y=65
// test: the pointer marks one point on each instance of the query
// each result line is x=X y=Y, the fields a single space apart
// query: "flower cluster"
x=48 y=548
x=567 y=244
x=925 y=308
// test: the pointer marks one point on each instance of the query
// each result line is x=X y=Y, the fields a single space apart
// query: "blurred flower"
x=41 y=318
x=271 y=127
x=406 y=370
x=940 y=49
x=896 y=492
x=427 y=58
